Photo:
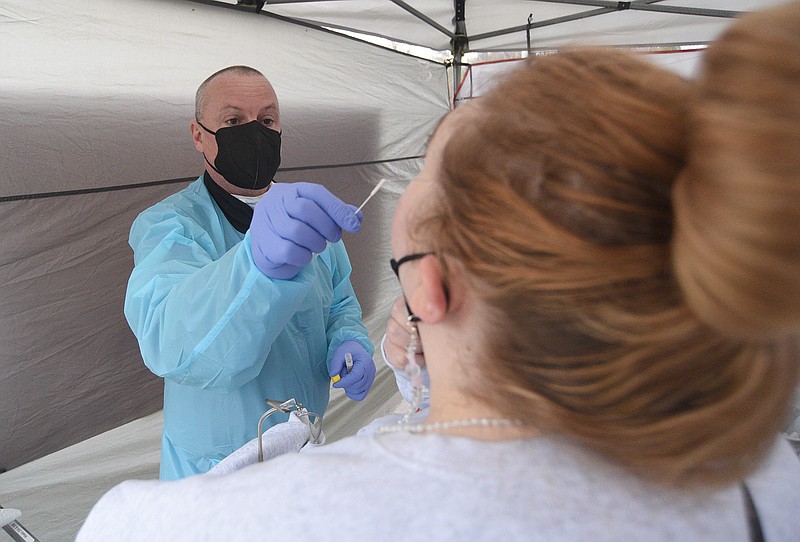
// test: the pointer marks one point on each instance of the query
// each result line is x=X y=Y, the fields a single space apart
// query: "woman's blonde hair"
x=636 y=238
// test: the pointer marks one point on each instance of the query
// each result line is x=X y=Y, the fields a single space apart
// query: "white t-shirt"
x=401 y=486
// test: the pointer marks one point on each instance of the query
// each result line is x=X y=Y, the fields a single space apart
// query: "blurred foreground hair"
x=635 y=237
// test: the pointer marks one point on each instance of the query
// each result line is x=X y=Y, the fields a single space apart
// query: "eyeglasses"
x=395 y=264
x=410 y=258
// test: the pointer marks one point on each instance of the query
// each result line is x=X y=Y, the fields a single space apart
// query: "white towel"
x=7 y=515
x=286 y=437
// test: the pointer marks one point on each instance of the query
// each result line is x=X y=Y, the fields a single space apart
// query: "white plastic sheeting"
x=479 y=77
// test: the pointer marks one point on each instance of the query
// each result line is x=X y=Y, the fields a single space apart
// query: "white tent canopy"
x=501 y=25
x=461 y=33
x=95 y=102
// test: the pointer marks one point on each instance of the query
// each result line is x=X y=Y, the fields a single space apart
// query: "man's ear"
x=429 y=299
x=197 y=134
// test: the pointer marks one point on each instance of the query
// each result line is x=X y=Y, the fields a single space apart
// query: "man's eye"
x=232 y=121
x=268 y=122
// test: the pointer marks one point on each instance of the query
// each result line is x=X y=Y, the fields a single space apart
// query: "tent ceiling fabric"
x=110 y=87
x=388 y=18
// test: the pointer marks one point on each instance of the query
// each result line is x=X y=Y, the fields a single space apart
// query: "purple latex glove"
x=359 y=380
x=292 y=222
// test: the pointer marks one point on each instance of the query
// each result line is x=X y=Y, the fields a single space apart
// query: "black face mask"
x=248 y=155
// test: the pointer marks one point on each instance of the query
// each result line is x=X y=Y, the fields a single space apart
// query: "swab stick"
x=374 y=191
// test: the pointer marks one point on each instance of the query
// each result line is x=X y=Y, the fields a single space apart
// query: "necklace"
x=439 y=426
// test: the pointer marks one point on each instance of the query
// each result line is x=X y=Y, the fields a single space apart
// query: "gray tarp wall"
x=95 y=102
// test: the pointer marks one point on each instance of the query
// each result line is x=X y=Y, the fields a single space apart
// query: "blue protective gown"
x=224 y=336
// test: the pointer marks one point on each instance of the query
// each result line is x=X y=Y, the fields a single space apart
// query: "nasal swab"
x=374 y=191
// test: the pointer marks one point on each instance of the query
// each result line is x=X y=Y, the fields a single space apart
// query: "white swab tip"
x=374 y=191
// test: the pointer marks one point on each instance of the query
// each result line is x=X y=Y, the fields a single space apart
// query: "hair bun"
x=736 y=245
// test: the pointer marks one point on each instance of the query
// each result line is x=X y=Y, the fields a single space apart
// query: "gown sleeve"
x=201 y=320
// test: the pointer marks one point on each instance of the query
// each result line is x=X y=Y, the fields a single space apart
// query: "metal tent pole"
x=421 y=16
x=553 y=21
x=641 y=6
x=460 y=42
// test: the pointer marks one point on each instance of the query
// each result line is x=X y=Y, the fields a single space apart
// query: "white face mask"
x=250 y=200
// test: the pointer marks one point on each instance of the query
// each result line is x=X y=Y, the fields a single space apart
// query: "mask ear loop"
x=413 y=370
x=204 y=128
x=204 y=154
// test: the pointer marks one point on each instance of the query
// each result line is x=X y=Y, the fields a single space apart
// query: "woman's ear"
x=430 y=298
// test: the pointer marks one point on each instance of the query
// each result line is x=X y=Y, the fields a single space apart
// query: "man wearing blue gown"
x=241 y=289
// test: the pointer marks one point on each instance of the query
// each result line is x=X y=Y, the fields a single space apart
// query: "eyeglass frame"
x=395 y=265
